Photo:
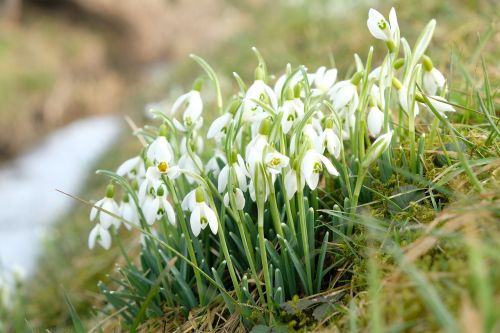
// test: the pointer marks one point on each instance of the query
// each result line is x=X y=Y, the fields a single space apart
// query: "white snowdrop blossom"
x=258 y=91
x=132 y=168
x=239 y=170
x=160 y=150
x=275 y=161
x=101 y=209
x=433 y=81
x=329 y=140
x=374 y=121
x=202 y=215
x=156 y=206
x=344 y=95
x=324 y=79
x=312 y=165
x=192 y=108
x=293 y=112
x=239 y=199
x=191 y=163
x=100 y=235
x=441 y=105
x=380 y=28
x=218 y=129
x=128 y=212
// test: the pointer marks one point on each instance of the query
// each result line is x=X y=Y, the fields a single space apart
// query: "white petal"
x=104 y=238
x=126 y=167
x=223 y=179
x=93 y=236
x=109 y=205
x=215 y=130
x=374 y=17
x=240 y=199
x=226 y=200
x=212 y=219
x=150 y=209
x=375 y=121
x=332 y=142
x=94 y=210
x=393 y=20
x=170 y=212
x=189 y=201
x=312 y=181
x=290 y=183
x=179 y=101
x=329 y=166
x=195 y=221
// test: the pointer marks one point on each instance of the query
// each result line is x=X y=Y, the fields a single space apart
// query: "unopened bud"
x=398 y=63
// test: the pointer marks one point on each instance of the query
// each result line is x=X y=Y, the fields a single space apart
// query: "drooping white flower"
x=202 y=215
x=293 y=112
x=380 y=28
x=258 y=91
x=132 y=168
x=344 y=95
x=291 y=183
x=107 y=204
x=239 y=170
x=191 y=163
x=156 y=206
x=375 y=121
x=441 y=105
x=160 y=150
x=329 y=140
x=432 y=81
x=213 y=166
x=100 y=235
x=191 y=105
x=312 y=165
x=378 y=147
x=308 y=133
x=275 y=161
x=239 y=199
x=324 y=80
x=218 y=129
x=128 y=212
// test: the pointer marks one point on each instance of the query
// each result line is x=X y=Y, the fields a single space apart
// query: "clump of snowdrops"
x=245 y=209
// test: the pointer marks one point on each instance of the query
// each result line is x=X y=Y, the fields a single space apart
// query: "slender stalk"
x=354 y=203
x=303 y=232
x=263 y=257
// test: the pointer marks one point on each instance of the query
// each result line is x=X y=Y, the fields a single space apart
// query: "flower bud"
x=377 y=149
x=398 y=63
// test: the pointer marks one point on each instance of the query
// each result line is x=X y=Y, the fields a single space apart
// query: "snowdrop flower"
x=202 y=215
x=152 y=181
x=308 y=133
x=329 y=140
x=239 y=199
x=155 y=207
x=374 y=121
x=218 y=129
x=160 y=150
x=312 y=165
x=381 y=29
x=293 y=111
x=275 y=161
x=324 y=80
x=100 y=235
x=192 y=107
x=291 y=183
x=441 y=105
x=344 y=95
x=107 y=204
x=191 y=163
x=132 y=168
x=261 y=92
x=377 y=148
x=432 y=79
x=129 y=212
x=213 y=163
x=405 y=103
x=239 y=170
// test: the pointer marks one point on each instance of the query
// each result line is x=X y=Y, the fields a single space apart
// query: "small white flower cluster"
x=295 y=132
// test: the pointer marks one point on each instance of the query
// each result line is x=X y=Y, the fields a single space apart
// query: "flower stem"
x=304 y=237
x=354 y=202
x=263 y=257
